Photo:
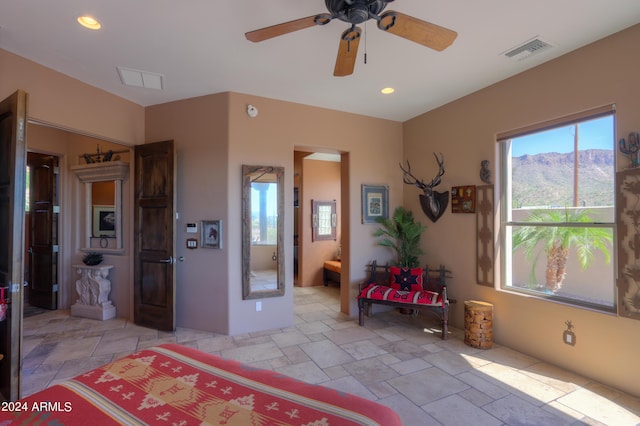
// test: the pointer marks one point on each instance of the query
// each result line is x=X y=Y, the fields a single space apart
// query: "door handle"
x=170 y=260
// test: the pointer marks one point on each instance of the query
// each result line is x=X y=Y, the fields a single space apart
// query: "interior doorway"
x=317 y=181
x=41 y=233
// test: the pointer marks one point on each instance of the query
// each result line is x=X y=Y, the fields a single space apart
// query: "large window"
x=558 y=212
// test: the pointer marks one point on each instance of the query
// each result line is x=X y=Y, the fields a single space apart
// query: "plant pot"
x=92 y=259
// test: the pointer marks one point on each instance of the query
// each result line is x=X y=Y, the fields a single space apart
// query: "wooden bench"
x=434 y=299
x=331 y=271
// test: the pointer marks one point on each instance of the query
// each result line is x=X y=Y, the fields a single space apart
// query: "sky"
x=594 y=134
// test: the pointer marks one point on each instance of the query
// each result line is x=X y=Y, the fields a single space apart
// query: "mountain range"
x=547 y=179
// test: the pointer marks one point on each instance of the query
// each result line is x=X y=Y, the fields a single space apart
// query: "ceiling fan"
x=356 y=12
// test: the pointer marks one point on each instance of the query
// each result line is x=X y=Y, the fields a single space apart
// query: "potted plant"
x=402 y=234
x=555 y=242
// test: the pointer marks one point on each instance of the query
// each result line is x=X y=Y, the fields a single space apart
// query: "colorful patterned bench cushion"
x=382 y=292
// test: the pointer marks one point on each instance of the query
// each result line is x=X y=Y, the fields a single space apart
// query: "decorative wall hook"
x=631 y=149
x=485 y=173
x=433 y=203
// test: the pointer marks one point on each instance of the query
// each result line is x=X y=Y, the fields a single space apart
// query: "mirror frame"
x=247 y=173
x=115 y=171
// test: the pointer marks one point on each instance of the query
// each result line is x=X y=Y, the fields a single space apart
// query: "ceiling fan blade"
x=281 y=29
x=347 y=52
x=417 y=30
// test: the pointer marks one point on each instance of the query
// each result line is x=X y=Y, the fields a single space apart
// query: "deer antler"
x=410 y=179
x=436 y=180
x=433 y=203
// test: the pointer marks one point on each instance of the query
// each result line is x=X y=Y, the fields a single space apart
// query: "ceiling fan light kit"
x=355 y=12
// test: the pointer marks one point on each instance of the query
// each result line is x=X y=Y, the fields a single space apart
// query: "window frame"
x=507 y=224
x=317 y=221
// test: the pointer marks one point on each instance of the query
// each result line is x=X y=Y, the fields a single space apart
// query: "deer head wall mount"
x=433 y=203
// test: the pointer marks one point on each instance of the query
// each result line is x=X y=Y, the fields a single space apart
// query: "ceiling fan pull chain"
x=365 y=43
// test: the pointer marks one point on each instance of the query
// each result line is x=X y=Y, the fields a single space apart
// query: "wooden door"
x=43 y=253
x=154 y=246
x=13 y=112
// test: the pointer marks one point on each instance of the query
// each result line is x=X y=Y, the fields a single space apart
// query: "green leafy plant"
x=402 y=234
x=556 y=241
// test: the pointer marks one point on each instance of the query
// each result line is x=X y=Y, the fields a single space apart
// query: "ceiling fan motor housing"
x=355 y=11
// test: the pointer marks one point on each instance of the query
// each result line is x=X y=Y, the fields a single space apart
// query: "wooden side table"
x=478 y=324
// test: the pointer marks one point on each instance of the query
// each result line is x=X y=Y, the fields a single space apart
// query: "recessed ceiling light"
x=89 y=22
x=387 y=90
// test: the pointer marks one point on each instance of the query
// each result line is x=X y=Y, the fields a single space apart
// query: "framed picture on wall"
x=211 y=236
x=375 y=203
x=104 y=221
x=463 y=199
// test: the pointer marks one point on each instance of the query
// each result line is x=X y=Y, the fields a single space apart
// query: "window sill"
x=562 y=301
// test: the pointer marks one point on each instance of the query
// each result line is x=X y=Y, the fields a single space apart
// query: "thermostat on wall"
x=192 y=228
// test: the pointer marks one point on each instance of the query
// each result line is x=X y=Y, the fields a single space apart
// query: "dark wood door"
x=154 y=222
x=43 y=254
x=13 y=153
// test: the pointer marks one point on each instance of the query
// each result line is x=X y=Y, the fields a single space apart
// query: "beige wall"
x=200 y=130
x=214 y=138
x=465 y=131
x=270 y=139
x=69 y=104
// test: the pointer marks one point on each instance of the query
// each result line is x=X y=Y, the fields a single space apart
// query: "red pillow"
x=406 y=279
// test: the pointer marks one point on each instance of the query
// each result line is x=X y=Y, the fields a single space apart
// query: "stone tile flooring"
x=396 y=360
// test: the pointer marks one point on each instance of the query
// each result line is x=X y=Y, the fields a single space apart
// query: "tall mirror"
x=262 y=231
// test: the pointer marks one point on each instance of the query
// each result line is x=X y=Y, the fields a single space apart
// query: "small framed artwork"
x=104 y=221
x=375 y=203
x=463 y=199
x=211 y=236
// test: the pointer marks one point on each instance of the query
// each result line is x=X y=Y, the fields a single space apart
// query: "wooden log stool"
x=478 y=324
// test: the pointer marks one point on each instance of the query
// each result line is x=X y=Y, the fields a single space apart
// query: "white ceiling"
x=199 y=47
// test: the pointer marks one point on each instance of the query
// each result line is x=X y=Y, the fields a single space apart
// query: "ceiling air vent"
x=528 y=49
x=137 y=78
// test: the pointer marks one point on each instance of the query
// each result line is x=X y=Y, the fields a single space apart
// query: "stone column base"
x=97 y=312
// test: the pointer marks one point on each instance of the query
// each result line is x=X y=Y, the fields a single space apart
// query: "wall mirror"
x=103 y=204
x=262 y=231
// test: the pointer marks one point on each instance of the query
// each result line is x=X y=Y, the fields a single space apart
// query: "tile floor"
x=395 y=360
